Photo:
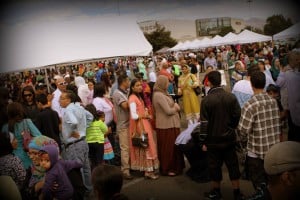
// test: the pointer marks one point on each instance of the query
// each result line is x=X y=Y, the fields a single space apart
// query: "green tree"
x=160 y=38
x=276 y=23
x=226 y=29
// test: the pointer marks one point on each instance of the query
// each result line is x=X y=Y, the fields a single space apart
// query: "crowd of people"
x=82 y=119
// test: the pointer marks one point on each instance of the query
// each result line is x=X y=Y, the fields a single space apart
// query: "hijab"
x=161 y=84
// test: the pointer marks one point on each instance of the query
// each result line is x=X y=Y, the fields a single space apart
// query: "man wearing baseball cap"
x=282 y=165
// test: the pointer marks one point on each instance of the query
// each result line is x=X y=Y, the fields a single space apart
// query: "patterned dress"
x=142 y=159
x=191 y=104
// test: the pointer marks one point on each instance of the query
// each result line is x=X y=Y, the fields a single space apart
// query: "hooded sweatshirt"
x=58 y=173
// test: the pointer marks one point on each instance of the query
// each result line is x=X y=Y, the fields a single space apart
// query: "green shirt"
x=95 y=132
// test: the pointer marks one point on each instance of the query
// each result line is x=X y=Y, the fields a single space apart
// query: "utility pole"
x=249 y=2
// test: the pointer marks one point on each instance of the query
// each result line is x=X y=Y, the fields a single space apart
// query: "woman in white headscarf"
x=83 y=90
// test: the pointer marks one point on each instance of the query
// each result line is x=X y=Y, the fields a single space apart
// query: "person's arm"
x=204 y=111
x=195 y=81
x=89 y=118
x=164 y=105
x=33 y=129
x=281 y=79
x=103 y=127
x=124 y=105
x=235 y=113
x=133 y=112
x=72 y=121
x=70 y=164
x=246 y=120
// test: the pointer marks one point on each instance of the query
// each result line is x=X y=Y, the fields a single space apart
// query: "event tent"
x=247 y=36
x=291 y=32
x=175 y=48
x=163 y=50
x=51 y=41
x=228 y=39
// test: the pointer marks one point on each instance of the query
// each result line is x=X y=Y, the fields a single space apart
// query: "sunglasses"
x=63 y=83
x=27 y=95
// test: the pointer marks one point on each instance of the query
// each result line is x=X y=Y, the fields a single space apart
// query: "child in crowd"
x=56 y=171
x=95 y=136
x=109 y=154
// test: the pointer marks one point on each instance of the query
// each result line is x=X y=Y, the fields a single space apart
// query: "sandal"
x=172 y=174
x=151 y=176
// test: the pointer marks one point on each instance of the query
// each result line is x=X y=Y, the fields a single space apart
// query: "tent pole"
x=47 y=80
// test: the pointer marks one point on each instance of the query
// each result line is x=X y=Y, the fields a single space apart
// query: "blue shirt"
x=75 y=119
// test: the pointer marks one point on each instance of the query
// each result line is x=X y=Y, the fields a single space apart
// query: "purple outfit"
x=58 y=173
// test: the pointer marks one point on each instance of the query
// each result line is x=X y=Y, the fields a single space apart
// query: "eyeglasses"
x=27 y=95
x=63 y=83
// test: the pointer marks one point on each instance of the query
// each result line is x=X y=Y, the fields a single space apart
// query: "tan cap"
x=281 y=157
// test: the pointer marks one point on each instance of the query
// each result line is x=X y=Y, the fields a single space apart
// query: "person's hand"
x=50 y=97
x=39 y=185
x=179 y=92
x=146 y=114
x=177 y=107
x=204 y=147
x=54 y=186
x=14 y=143
x=108 y=130
x=75 y=135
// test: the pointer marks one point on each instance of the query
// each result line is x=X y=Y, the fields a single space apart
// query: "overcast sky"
x=18 y=11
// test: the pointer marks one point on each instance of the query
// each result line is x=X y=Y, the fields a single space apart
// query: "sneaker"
x=213 y=194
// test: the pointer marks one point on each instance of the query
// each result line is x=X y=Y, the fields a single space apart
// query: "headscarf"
x=37 y=143
x=274 y=70
x=161 y=85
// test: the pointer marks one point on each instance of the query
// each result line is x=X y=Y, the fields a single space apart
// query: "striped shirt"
x=260 y=122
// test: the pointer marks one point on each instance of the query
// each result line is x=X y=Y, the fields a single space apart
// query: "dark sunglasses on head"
x=63 y=83
x=27 y=95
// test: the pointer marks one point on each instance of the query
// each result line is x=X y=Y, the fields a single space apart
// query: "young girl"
x=109 y=154
x=95 y=137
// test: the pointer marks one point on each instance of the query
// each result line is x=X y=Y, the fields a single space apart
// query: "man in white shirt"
x=61 y=86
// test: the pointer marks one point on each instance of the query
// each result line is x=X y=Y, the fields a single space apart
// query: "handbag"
x=27 y=137
x=140 y=139
x=197 y=90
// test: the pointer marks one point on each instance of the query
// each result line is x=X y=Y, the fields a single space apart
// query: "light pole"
x=249 y=2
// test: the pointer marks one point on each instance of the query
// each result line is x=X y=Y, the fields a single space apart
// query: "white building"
x=181 y=30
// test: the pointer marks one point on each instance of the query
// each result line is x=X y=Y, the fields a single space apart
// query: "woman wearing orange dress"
x=143 y=159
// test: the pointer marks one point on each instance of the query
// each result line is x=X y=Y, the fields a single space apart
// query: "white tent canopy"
x=247 y=36
x=45 y=42
x=201 y=43
x=228 y=39
x=176 y=47
x=291 y=32
x=216 y=41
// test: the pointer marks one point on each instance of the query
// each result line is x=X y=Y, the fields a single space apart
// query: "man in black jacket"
x=222 y=111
